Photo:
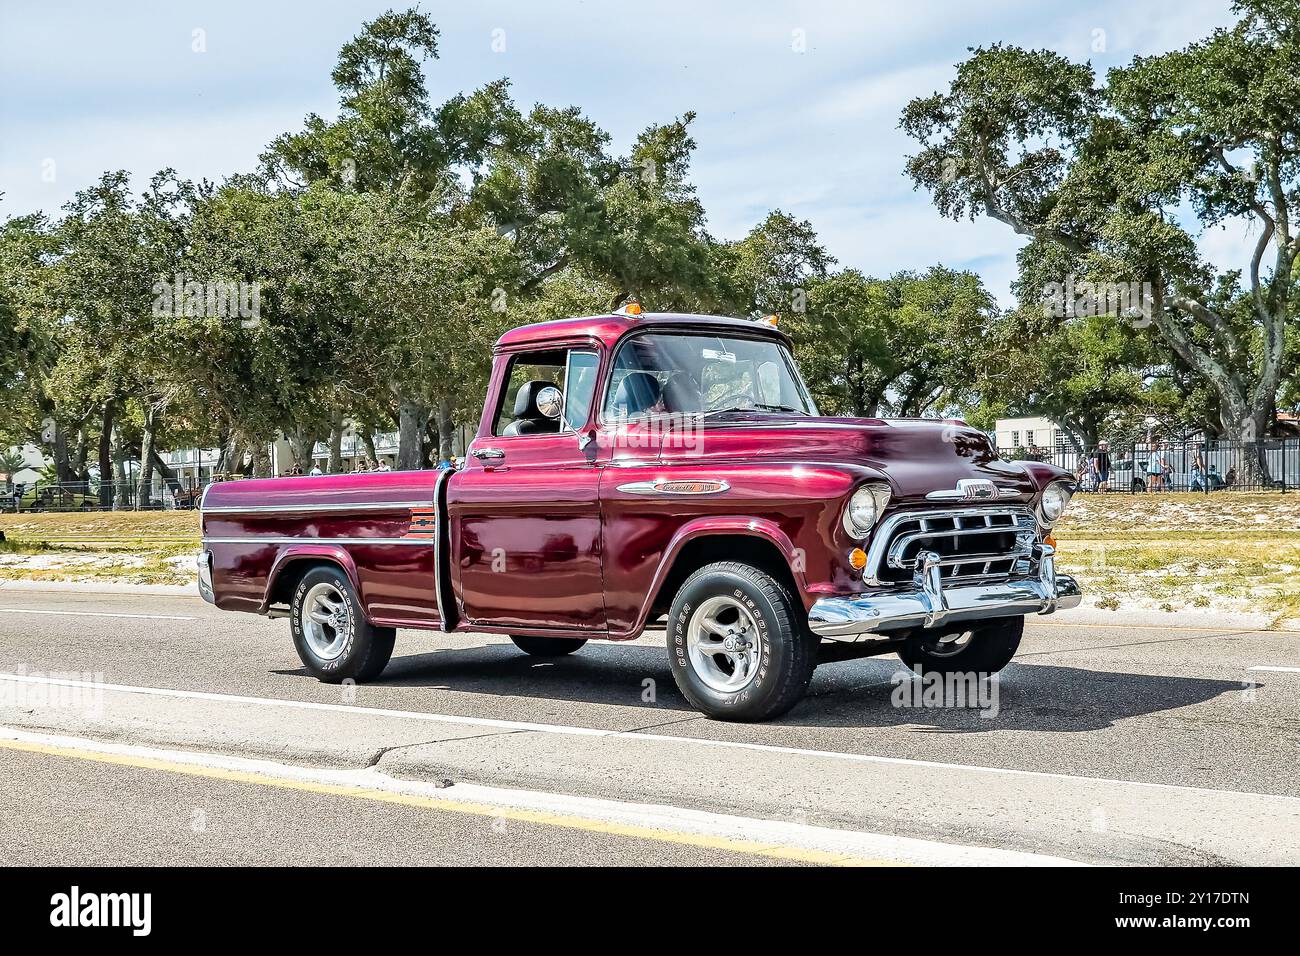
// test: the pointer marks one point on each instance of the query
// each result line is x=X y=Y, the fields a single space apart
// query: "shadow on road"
x=1030 y=696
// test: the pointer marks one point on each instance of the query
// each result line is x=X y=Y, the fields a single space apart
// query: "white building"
x=1013 y=433
x=33 y=462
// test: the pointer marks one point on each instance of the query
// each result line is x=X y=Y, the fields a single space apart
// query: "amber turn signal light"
x=857 y=559
x=1050 y=540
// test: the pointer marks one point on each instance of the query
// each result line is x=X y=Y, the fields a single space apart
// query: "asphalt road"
x=1108 y=745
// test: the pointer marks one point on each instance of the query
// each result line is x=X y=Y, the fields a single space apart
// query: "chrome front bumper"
x=928 y=603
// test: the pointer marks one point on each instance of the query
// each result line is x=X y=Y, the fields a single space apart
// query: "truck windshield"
x=710 y=374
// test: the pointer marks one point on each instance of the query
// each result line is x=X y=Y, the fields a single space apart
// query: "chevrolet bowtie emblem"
x=424 y=523
x=973 y=489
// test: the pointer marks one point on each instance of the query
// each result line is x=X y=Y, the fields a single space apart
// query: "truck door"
x=525 y=512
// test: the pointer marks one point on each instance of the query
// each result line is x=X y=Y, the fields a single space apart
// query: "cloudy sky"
x=797 y=102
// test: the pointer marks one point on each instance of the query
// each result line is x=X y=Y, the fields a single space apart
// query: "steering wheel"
x=742 y=400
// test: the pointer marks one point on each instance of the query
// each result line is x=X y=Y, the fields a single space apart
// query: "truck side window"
x=579 y=387
x=572 y=371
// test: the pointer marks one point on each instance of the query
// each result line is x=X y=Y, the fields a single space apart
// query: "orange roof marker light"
x=630 y=307
x=769 y=320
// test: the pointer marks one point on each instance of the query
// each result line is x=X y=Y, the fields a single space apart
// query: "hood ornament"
x=973 y=489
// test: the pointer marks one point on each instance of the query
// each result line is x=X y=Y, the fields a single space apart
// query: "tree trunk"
x=302 y=443
x=231 y=460
x=1250 y=427
x=77 y=463
x=412 y=419
x=335 y=464
x=106 y=454
x=59 y=448
x=446 y=430
x=143 y=489
x=261 y=460
x=164 y=470
x=121 y=499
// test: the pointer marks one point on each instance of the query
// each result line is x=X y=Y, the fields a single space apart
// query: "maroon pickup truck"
x=634 y=471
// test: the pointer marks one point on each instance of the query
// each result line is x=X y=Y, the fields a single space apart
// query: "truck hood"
x=917 y=456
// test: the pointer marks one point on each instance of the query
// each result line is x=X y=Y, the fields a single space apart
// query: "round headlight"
x=1055 y=497
x=864 y=508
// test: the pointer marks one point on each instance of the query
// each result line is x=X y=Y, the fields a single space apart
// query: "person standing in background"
x=1157 y=466
x=1196 y=479
x=1101 y=464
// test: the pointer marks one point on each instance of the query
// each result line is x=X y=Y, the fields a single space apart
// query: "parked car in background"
x=42 y=497
x=189 y=498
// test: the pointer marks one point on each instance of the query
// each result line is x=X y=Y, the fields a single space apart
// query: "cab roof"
x=610 y=327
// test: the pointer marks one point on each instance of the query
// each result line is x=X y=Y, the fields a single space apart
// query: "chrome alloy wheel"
x=949 y=645
x=326 y=621
x=723 y=644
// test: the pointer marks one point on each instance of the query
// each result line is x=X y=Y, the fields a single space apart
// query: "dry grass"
x=148 y=547
x=102 y=525
x=1228 y=551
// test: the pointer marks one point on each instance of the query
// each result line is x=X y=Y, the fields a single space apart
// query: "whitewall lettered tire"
x=738 y=644
x=334 y=640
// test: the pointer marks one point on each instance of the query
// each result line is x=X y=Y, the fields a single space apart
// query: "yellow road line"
x=703 y=841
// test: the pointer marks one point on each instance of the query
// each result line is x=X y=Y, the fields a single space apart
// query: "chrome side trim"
x=656 y=487
x=281 y=539
x=300 y=509
x=441 y=519
x=859 y=617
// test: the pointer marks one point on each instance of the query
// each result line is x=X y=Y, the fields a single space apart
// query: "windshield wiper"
x=756 y=407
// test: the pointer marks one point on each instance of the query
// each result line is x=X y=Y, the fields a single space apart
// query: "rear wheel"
x=548 y=646
x=982 y=647
x=334 y=640
x=738 y=644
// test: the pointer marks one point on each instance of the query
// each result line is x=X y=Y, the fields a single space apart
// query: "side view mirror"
x=550 y=401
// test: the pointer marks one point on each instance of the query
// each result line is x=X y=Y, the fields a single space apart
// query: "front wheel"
x=334 y=640
x=984 y=647
x=738 y=644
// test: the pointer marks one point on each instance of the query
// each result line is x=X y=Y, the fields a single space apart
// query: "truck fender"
x=720 y=525
x=332 y=554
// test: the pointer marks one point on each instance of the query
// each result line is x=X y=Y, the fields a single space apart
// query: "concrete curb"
x=1207 y=618
x=98 y=587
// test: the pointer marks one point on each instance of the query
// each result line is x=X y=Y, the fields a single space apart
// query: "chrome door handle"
x=488 y=454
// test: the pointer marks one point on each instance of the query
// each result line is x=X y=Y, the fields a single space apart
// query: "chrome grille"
x=972 y=543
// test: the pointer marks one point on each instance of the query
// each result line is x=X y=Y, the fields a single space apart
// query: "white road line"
x=564 y=730
x=848 y=844
x=1283 y=670
x=140 y=617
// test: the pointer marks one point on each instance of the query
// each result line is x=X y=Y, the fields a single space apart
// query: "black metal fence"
x=1185 y=465
x=1198 y=465
x=41 y=496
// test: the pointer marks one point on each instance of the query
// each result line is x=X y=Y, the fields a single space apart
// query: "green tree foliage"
x=910 y=345
x=1104 y=176
x=391 y=245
